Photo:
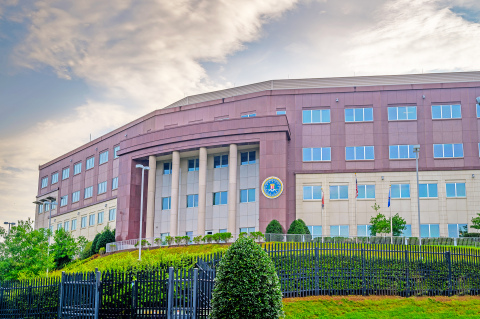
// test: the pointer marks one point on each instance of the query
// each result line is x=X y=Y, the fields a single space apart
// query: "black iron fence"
x=304 y=269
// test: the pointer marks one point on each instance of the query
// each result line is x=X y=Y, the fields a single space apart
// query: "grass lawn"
x=382 y=307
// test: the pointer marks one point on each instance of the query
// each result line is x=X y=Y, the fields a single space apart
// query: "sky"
x=70 y=69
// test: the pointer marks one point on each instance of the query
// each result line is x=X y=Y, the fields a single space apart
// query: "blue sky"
x=69 y=68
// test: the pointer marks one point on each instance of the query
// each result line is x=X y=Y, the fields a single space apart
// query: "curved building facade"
x=346 y=142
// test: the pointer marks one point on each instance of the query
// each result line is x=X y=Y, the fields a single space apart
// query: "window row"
x=219 y=198
x=71 y=225
x=88 y=192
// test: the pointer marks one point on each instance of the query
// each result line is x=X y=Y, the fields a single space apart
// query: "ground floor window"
x=364 y=230
x=455 y=230
x=339 y=230
x=429 y=230
x=315 y=231
x=247 y=230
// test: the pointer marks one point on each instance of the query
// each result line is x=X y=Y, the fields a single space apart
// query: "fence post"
x=449 y=265
x=195 y=280
x=97 y=292
x=134 y=298
x=317 y=288
x=364 y=282
x=61 y=296
x=170 y=293
x=407 y=272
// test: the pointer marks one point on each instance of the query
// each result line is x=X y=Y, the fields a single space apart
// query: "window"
x=112 y=214
x=456 y=190
x=455 y=230
x=356 y=153
x=339 y=230
x=317 y=154
x=249 y=115
x=312 y=192
x=114 y=183
x=281 y=112
x=222 y=230
x=47 y=207
x=65 y=173
x=102 y=187
x=401 y=151
x=192 y=200
x=407 y=232
x=44 y=182
x=209 y=232
x=478 y=110
x=220 y=161
x=193 y=164
x=103 y=157
x=446 y=112
x=59 y=226
x=84 y=222
x=88 y=192
x=90 y=162
x=100 y=218
x=364 y=230
x=248 y=158
x=164 y=236
x=75 y=196
x=91 y=220
x=429 y=230
x=220 y=198
x=115 y=151
x=189 y=234
x=74 y=224
x=315 y=231
x=399 y=113
x=247 y=230
x=247 y=195
x=64 y=201
x=400 y=191
x=447 y=150
x=315 y=116
x=427 y=191
x=54 y=178
x=359 y=115
x=166 y=202
x=66 y=225
x=339 y=192
x=167 y=168
x=40 y=208
x=77 y=168
x=366 y=191
x=54 y=205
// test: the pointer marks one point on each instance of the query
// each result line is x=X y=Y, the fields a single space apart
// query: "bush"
x=298 y=227
x=226 y=236
x=257 y=235
x=217 y=237
x=106 y=236
x=274 y=227
x=470 y=235
x=94 y=244
x=186 y=239
x=87 y=251
x=208 y=238
x=246 y=285
x=178 y=240
x=145 y=243
x=102 y=251
x=169 y=240
x=158 y=241
x=197 y=239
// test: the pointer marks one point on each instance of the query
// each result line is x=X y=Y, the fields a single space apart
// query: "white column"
x=202 y=191
x=152 y=173
x=174 y=193
x=232 y=189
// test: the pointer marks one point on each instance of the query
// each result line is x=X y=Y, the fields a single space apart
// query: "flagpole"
x=356 y=195
x=391 y=218
x=323 y=219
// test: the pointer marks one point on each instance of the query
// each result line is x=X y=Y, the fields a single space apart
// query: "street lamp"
x=9 y=224
x=416 y=150
x=51 y=200
x=141 y=211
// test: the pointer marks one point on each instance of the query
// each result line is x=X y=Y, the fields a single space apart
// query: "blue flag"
x=389 y=196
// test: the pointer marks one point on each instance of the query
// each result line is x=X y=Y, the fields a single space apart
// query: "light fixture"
x=423 y=96
x=473 y=175
x=478 y=99
x=382 y=178
x=336 y=100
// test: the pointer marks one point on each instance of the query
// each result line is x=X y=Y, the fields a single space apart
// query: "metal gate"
x=79 y=296
x=206 y=278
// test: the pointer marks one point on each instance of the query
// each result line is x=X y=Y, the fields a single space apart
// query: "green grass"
x=378 y=307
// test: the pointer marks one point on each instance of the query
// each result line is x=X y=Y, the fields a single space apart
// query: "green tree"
x=106 y=236
x=274 y=227
x=381 y=225
x=94 y=244
x=476 y=222
x=298 y=227
x=246 y=284
x=24 y=252
x=65 y=247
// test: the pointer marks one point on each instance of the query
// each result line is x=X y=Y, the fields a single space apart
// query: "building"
x=211 y=154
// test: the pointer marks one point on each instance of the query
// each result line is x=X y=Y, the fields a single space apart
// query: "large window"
x=364 y=230
x=115 y=151
x=91 y=220
x=54 y=178
x=193 y=164
x=66 y=225
x=112 y=214
x=249 y=115
x=88 y=192
x=407 y=232
x=75 y=196
x=247 y=195
x=248 y=158
x=74 y=224
x=316 y=116
x=339 y=192
x=167 y=168
x=247 y=230
x=102 y=187
x=220 y=198
x=192 y=200
x=366 y=191
x=478 y=110
x=90 y=162
x=356 y=153
x=59 y=226
x=65 y=173
x=429 y=230
x=456 y=190
x=40 y=208
x=446 y=111
x=400 y=191
x=63 y=201
x=44 y=182
x=166 y=203
x=401 y=151
x=317 y=154
x=359 y=115
x=447 y=150
x=312 y=192
x=114 y=183
x=315 y=231
x=84 y=222
x=399 y=113
x=455 y=230
x=103 y=157
x=100 y=218
x=281 y=112
x=220 y=161
x=339 y=230
x=428 y=191
x=77 y=168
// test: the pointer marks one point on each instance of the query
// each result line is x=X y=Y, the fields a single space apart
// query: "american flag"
x=356 y=186
x=323 y=198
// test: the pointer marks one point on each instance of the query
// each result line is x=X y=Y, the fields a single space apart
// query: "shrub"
x=102 y=251
x=274 y=227
x=158 y=241
x=208 y=238
x=145 y=243
x=217 y=237
x=178 y=240
x=197 y=239
x=470 y=235
x=169 y=239
x=298 y=227
x=186 y=239
x=246 y=285
x=87 y=251
x=94 y=244
x=226 y=236
x=257 y=235
x=106 y=236
x=243 y=234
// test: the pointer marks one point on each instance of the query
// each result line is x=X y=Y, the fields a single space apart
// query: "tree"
x=381 y=225
x=246 y=284
x=274 y=227
x=476 y=222
x=94 y=244
x=298 y=227
x=24 y=252
x=106 y=236
x=65 y=247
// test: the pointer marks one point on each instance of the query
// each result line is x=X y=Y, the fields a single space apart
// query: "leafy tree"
x=24 y=252
x=274 y=227
x=298 y=227
x=86 y=251
x=246 y=285
x=94 y=244
x=106 y=236
x=65 y=247
x=381 y=225
x=476 y=222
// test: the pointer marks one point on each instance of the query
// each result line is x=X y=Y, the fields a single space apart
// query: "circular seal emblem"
x=272 y=187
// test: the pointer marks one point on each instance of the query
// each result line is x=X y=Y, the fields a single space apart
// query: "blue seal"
x=272 y=187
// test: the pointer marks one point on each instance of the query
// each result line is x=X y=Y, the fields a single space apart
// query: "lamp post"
x=51 y=200
x=141 y=210
x=416 y=150
x=9 y=224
